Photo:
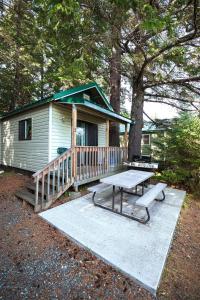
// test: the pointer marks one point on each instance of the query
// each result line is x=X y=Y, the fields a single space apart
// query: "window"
x=146 y=139
x=25 y=129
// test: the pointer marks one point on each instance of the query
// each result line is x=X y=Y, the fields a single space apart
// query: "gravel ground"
x=38 y=262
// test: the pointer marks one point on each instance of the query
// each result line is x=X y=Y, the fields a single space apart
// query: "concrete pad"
x=138 y=250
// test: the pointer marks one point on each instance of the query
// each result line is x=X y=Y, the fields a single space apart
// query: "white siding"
x=61 y=128
x=31 y=154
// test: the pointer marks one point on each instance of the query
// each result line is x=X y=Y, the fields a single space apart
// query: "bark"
x=135 y=133
x=115 y=84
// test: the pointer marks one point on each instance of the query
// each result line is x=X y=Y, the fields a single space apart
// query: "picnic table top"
x=128 y=179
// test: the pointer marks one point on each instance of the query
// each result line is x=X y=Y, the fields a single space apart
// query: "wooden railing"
x=54 y=179
x=76 y=165
x=93 y=162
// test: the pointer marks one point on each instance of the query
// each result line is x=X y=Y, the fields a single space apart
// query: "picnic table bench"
x=147 y=199
x=144 y=201
x=99 y=188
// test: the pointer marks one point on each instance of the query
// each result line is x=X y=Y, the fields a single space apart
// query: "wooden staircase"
x=50 y=182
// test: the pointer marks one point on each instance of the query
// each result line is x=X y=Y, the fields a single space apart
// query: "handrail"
x=54 y=179
x=52 y=162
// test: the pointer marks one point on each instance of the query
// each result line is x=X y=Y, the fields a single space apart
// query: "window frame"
x=147 y=134
x=22 y=130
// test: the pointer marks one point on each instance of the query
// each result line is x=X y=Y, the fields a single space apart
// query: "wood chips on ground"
x=38 y=262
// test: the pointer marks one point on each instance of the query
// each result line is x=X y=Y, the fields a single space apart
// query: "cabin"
x=151 y=133
x=63 y=140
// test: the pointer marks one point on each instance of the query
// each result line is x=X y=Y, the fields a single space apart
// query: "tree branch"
x=180 y=81
x=168 y=97
x=191 y=88
x=170 y=104
x=153 y=121
x=188 y=37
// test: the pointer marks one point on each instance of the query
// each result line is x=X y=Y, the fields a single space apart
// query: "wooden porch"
x=76 y=166
x=92 y=163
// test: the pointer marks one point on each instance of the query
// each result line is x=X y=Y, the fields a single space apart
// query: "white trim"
x=50 y=131
x=73 y=93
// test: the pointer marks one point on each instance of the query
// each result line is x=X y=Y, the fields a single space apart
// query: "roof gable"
x=97 y=101
x=91 y=92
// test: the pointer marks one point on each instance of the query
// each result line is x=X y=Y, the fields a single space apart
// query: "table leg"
x=143 y=188
x=113 y=198
x=121 y=199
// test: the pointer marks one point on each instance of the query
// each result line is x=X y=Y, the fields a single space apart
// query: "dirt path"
x=37 y=262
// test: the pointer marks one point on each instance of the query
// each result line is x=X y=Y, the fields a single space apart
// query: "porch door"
x=92 y=134
x=86 y=134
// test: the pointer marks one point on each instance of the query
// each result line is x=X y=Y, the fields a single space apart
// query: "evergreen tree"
x=16 y=47
x=181 y=149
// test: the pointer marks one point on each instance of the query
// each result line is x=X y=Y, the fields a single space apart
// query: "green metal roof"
x=94 y=106
x=28 y=106
x=66 y=97
x=83 y=88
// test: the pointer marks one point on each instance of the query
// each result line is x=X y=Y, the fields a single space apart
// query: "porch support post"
x=74 y=125
x=126 y=136
x=107 y=132
x=107 y=145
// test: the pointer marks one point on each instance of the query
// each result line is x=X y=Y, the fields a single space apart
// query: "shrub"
x=181 y=150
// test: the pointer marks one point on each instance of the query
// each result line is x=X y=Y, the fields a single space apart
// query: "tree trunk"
x=135 y=133
x=115 y=84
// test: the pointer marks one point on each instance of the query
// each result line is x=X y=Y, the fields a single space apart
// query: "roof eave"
x=100 y=109
x=26 y=107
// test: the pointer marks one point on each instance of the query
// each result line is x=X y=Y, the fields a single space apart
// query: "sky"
x=159 y=111
x=156 y=110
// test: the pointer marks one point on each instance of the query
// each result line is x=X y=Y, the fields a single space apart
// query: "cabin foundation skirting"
x=16 y=170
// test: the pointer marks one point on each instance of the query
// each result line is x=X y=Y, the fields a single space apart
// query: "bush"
x=181 y=150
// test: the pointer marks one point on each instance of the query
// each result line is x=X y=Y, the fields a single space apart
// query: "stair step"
x=27 y=196
x=32 y=187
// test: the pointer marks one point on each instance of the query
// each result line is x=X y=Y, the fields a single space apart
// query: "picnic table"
x=128 y=179
x=126 y=182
